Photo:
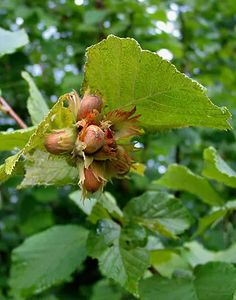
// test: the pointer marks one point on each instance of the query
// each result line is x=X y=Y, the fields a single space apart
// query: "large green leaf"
x=180 y=178
x=126 y=266
x=159 y=212
x=216 y=168
x=125 y=76
x=36 y=104
x=213 y=281
x=10 y=41
x=15 y=139
x=46 y=259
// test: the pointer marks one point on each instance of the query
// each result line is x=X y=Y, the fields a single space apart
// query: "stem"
x=6 y=108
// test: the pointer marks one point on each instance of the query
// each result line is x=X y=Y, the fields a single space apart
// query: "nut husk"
x=91 y=182
x=121 y=165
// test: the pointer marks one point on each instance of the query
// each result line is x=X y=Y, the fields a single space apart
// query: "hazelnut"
x=91 y=182
x=88 y=104
x=60 y=141
x=94 y=139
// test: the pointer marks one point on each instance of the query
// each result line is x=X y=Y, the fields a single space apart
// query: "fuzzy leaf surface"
x=116 y=261
x=56 y=170
x=46 y=259
x=126 y=76
x=159 y=212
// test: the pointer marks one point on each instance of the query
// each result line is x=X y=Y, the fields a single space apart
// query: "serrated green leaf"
x=56 y=170
x=3 y=175
x=36 y=104
x=125 y=266
x=125 y=75
x=59 y=116
x=159 y=212
x=216 y=168
x=15 y=139
x=10 y=41
x=9 y=167
x=46 y=259
x=180 y=178
x=213 y=281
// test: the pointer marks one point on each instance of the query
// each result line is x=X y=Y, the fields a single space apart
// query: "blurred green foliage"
x=199 y=38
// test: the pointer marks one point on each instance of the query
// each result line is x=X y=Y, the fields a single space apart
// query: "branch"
x=6 y=108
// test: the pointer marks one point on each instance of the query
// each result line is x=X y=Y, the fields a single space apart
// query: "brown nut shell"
x=88 y=104
x=94 y=139
x=91 y=182
x=60 y=141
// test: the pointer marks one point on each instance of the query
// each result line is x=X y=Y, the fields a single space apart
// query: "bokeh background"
x=198 y=36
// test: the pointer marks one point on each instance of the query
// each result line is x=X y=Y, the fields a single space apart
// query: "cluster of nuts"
x=97 y=142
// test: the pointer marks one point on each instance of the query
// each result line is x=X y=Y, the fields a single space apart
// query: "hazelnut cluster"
x=98 y=143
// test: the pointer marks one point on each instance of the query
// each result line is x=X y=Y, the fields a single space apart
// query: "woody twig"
x=7 y=109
